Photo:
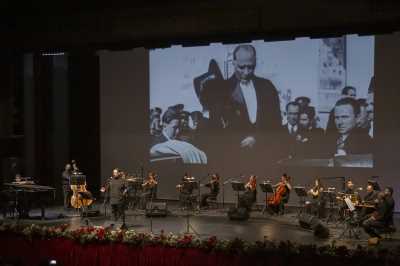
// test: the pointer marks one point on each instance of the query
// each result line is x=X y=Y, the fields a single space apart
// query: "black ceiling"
x=154 y=23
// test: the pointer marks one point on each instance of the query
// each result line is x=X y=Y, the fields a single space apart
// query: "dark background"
x=53 y=109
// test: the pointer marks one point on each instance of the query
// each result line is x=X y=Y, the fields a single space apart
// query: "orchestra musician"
x=66 y=176
x=149 y=189
x=382 y=218
x=213 y=185
x=351 y=190
x=186 y=190
x=371 y=195
x=276 y=203
x=369 y=202
x=115 y=173
x=318 y=203
x=116 y=192
x=250 y=195
x=75 y=168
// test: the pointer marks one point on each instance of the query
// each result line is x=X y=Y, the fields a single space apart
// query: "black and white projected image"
x=305 y=102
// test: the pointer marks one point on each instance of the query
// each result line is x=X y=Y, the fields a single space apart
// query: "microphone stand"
x=199 y=192
x=223 y=190
x=151 y=210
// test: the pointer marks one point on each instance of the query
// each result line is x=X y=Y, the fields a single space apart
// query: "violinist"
x=250 y=195
x=186 y=190
x=149 y=189
x=116 y=191
x=213 y=185
x=276 y=203
x=318 y=203
x=115 y=173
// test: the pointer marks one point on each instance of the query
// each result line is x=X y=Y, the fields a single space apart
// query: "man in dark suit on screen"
x=348 y=138
x=246 y=107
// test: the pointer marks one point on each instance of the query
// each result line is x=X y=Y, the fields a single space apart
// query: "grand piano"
x=27 y=195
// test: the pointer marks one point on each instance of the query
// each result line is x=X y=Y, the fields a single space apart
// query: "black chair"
x=285 y=200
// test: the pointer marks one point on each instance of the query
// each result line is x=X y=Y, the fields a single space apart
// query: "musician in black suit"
x=213 y=185
x=66 y=186
x=382 y=218
x=116 y=189
x=348 y=138
x=369 y=200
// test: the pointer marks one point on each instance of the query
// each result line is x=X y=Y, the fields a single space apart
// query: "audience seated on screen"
x=347 y=92
x=309 y=138
x=167 y=145
x=348 y=138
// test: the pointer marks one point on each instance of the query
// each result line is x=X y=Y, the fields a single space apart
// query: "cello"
x=282 y=188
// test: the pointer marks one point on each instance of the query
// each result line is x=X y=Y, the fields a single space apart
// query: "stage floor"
x=213 y=223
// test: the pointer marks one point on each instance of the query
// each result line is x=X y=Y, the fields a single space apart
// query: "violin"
x=150 y=183
x=81 y=197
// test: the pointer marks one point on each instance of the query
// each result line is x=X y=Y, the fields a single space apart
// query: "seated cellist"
x=276 y=202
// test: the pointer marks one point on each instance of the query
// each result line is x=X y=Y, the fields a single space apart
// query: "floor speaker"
x=311 y=222
x=238 y=214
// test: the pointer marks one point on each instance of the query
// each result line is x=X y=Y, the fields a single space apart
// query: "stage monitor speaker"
x=156 y=209
x=311 y=222
x=238 y=214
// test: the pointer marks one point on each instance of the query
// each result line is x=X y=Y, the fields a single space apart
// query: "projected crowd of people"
x=241 y=116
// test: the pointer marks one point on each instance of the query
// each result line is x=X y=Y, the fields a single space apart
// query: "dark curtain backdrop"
x=83 y=73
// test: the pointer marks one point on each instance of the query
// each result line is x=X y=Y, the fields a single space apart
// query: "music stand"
x=266 y=187
x=302 y=194
x=330 y=194
x=77 y=179
x=189 y=186
x=350 y=225
x=134 y=186
x=238 y=186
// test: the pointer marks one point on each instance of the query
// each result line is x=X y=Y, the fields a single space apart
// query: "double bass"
x=81 y=197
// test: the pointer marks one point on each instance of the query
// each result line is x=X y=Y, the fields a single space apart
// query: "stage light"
x=53 y=54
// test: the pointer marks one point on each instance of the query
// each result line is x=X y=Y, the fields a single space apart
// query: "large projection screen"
x=304 y=102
